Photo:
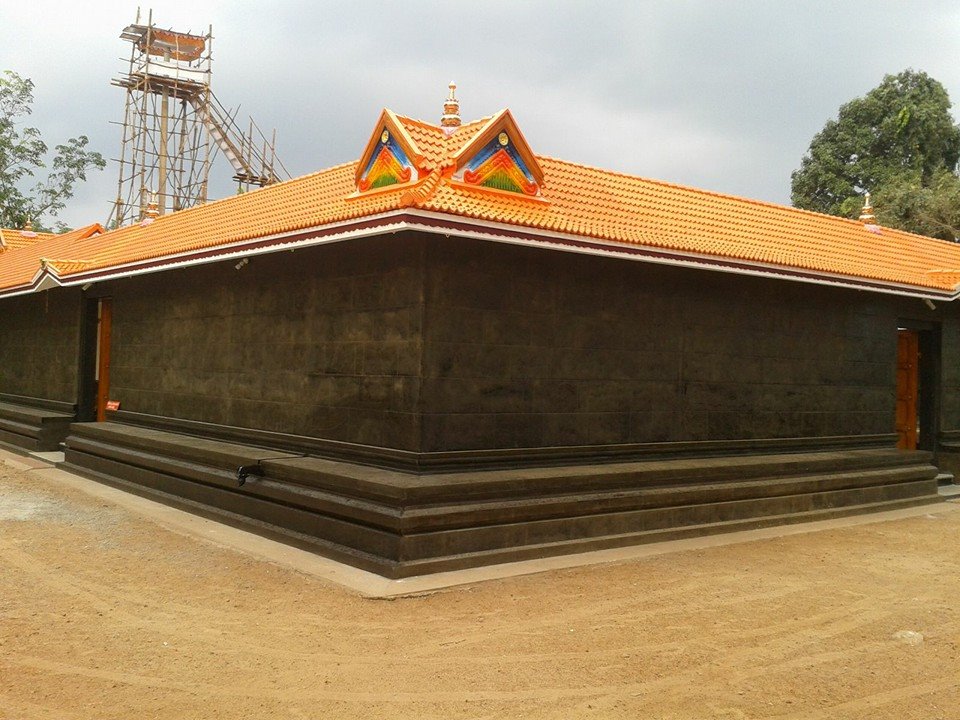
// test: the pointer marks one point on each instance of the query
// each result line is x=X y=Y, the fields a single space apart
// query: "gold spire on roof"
x=866 y=215
x=451 y=111
x=28 y=225
x=153 y=210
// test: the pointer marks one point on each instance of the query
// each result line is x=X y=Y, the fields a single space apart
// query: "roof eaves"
x=381 y=223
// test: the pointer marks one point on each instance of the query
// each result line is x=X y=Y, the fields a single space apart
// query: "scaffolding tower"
x=174 y=125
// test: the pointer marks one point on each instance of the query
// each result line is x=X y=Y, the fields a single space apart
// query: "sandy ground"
x=107 y=614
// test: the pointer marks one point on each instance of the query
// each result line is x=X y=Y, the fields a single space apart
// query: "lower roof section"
x=443 y=224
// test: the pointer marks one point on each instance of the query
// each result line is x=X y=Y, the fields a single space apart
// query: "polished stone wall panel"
x=525 y=347
x=39 y=345
x=323 y=342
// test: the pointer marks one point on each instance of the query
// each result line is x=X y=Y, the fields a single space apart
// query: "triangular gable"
x=498 y=157
x=46 y=277
x=391 y=156
x=87 y=231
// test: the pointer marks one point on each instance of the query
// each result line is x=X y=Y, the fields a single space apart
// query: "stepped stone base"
x=948 y=457
x=400 y=524
x=31 y=428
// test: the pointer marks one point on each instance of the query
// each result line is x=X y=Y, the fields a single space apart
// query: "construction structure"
x=174 y=125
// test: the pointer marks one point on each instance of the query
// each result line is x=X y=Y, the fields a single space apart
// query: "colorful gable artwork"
x=499 y=165
x=388 y=165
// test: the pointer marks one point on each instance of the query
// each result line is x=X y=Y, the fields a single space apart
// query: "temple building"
x=452 y=351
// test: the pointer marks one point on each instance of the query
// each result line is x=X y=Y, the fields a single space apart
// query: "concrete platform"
x=53 y=458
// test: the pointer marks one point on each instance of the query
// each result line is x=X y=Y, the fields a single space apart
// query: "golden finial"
x=153 y=208
x=28 y=225
x=866 y=215
x=451 y=111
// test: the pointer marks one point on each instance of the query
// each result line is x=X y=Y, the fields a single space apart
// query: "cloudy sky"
x=723 y=95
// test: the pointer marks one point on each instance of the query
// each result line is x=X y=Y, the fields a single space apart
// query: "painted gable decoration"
x=388 y=164
x=498 y=158
x=390 y=158
x=499 y=165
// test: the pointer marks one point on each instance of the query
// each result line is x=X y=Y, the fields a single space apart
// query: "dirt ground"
x=106 y=614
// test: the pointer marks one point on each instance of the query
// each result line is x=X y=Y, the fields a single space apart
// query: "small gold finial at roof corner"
x=450 y=120
x=28 y=225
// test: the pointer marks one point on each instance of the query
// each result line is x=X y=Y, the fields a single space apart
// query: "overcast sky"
x=719 y=95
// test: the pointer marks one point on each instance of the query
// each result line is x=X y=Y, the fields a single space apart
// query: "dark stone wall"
x=950 y=369
x=322 y=342
x=531 y=348
x=428 y=343
x=39 y=345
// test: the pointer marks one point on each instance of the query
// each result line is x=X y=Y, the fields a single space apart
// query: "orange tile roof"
x=20 y=267
x=436 y=146
x=609 y=209
x=14 y=239
x=639 y=212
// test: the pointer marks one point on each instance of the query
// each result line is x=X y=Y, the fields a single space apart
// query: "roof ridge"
x=60 y=265
x=432 y=126
x=425 y=189
x=418 y=121
x=37 y=233
x=80 y=233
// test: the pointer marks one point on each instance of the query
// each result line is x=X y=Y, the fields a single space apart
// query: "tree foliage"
x=23 y=152
x=928 y=208
x=898 y=142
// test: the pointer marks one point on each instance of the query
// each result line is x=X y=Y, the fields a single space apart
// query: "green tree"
x=927 y=208
x=898 y=142
x=22 y=152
